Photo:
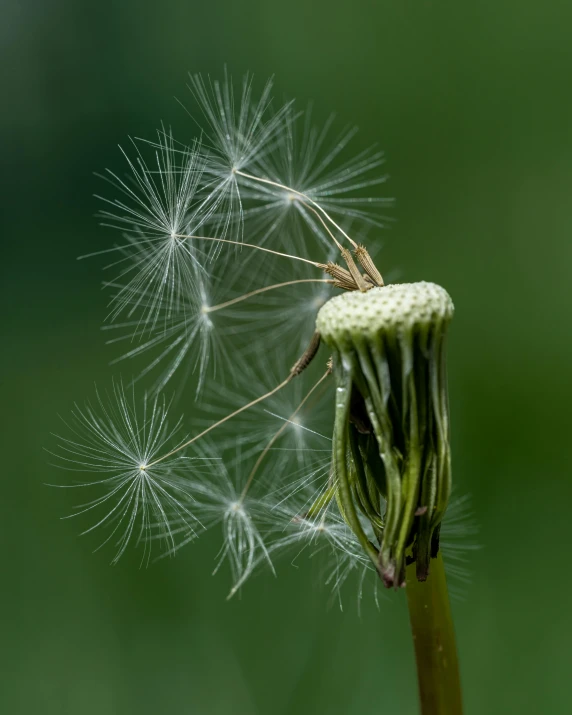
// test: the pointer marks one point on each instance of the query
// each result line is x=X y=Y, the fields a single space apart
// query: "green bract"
x=391 y=435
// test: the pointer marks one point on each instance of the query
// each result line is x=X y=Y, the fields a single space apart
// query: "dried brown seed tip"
x=359 y=280
x=342 y=277
x=362 y=254
x=302 y=363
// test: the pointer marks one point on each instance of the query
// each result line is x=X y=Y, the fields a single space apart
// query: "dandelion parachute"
x=115 y=439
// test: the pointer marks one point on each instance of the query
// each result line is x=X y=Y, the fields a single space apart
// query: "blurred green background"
x=472 y=104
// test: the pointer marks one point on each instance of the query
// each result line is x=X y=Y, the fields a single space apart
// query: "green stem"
x=434 y=641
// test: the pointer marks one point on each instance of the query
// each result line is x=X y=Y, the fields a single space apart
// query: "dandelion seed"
x=186 y=341
x=118 y=440
x=325 y=538
x=304 y=173
x=239 y=132
x=287 y=306
x=259 y=376
x=219 y=502
x=157 y=267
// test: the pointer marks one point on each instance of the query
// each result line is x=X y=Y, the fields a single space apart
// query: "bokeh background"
x=472 y=104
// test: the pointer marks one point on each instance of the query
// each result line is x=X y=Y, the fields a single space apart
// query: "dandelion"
x=245 y=256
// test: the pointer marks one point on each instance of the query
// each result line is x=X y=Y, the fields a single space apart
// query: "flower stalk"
x=434 y=642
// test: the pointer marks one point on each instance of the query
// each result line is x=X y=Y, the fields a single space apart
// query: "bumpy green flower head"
x=401 y=307
x=391 y=437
